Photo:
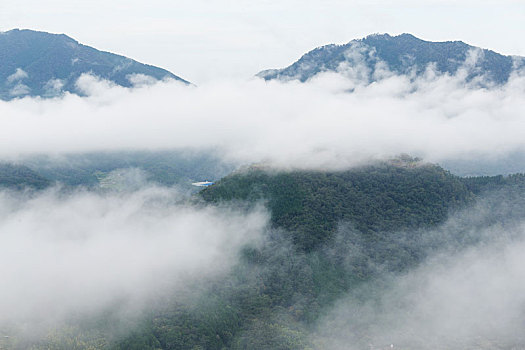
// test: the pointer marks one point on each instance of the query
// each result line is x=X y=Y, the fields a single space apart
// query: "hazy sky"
x=204 y=40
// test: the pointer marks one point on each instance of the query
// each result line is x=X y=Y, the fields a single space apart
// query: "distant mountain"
x=167 y=168
x=402 y=54
x=114 y=170
x=15 y=176
x=43 y=64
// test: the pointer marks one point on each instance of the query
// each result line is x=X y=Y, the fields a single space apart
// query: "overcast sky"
x=204 y=40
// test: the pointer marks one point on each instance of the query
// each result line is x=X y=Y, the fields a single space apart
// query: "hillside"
x=334 y=234
x=111 y=170
x=166 y=168
x=19 y=177
x=331 y=235
x=402 y=54
x=375 y=199
x=43 y=64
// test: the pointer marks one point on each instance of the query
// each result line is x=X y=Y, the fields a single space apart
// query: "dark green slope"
x=44 y=58
x=375 y=199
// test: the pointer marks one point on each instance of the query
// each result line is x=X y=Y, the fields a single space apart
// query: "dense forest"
x=375 y=199
x=331 y=233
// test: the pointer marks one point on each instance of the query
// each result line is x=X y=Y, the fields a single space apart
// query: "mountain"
x=379 y=198
x=114 y=170
x=333 y=234
x=21 y=177
x=43 y=64
x=167 y=168
x=402 y=54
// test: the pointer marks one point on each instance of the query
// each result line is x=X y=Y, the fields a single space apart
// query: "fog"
x=469 y=293
x=473 y=300
x=81 y=252
x=318 y=124
x=66 y=251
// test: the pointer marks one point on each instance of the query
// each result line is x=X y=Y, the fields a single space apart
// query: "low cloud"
x=19 y=90
x=53 y=87
x=318 y=124
x=468 y=294
x=81 y=252
x=140 y=80
x=19 y=74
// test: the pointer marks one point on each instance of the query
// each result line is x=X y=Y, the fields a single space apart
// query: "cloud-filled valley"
x=448 y=275
x=318 y=124
x=82 y=252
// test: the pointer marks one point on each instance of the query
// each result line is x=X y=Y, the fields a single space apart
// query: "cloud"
x=470 y=300
x=83 y=251
x=19 y=90
x=139 y=80
x=468 y=292
x=19 y=74
x=53 y=87
x=318 y=124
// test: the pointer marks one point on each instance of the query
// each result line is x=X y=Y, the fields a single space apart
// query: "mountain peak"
x=37 y=63
x=401 y=54
x=28 y=34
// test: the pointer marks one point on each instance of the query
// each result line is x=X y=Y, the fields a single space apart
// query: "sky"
x=204 y=40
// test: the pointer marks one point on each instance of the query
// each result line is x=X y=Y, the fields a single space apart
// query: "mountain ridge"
x=35 y=63
x=402 y=54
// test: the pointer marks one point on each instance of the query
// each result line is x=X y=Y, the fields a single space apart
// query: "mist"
x=467 y=293
x=64 y=252
x=79 y=251
x=333 y=121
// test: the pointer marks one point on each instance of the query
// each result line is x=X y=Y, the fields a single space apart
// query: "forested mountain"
x=43 y=64
x=375 y=199
x=20 y=177
x=160 y=167
x=331 y=234
x=401 y=54
x=114 y=170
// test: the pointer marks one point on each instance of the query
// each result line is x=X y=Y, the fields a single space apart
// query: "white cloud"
x=139 y=80
x=314 y=125
x=53 y=87
x=19 y=90
x=19 y=74
x=83 y=251
x=471 y=299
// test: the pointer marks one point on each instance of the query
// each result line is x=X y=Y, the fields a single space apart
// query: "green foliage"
x=72 y=338
x=481 y=184
x=271 y=335
x=381 y=198
x=333 y=232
